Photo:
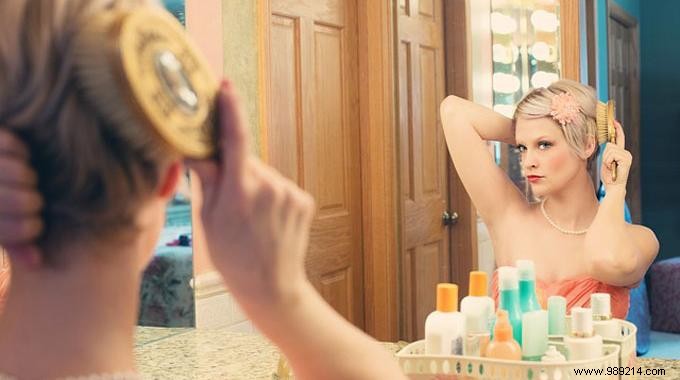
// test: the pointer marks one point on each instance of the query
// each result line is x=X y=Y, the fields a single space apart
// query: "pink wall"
x=204 y=24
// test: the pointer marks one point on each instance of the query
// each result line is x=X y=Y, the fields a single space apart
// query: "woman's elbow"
x=617 y=267
x=450 y=106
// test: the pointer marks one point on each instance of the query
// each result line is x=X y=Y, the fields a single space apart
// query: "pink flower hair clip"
x=564 y=108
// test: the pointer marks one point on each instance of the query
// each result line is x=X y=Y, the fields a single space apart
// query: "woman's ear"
x=169 y=179
x=591 y=146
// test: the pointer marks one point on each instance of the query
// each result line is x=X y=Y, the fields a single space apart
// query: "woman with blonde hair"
x=73 y=298
x=579 y=246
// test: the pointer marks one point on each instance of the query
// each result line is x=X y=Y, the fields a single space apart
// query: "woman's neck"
x=574 y=207
x=70 y=321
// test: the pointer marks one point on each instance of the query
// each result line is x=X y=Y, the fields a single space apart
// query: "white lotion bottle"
x=603 y=324
x=445 y=327
x=582 y=343
x=478 y=309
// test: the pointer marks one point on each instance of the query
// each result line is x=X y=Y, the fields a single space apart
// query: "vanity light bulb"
x=502 y=24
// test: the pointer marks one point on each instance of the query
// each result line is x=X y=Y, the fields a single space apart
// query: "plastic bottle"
x=557 y=313
x=478 y=309
x=553 y=356
x=503 y=346
x=534 y=335
x=582 y=343
x=527 y=286
x=603 y=324
x=445 y=327
x=508 y=289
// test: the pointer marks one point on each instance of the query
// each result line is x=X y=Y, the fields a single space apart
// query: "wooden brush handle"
x=611 y=115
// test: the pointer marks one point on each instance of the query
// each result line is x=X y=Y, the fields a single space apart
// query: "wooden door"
x=423 y=160
x=624 y=88
x=312 y=135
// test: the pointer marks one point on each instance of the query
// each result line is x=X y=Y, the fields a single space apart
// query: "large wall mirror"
x=526 y=55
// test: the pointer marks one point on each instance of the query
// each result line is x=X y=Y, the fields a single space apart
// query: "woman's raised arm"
x=466 y=127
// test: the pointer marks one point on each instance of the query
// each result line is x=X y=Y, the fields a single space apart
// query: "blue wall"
x=602 y=58
x=659 y=111
x=660 y=121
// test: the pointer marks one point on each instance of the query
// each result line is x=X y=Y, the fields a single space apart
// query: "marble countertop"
x=184 y=353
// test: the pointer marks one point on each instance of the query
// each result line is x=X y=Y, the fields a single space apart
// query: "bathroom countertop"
x=184 y=353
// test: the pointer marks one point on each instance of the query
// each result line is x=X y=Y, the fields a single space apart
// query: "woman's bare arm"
x=466 y=127
x=618 y=253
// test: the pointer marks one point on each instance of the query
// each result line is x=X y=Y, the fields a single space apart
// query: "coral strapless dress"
x=577 y=291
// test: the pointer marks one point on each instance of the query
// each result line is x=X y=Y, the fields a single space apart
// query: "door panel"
x=313 y=136
x=624 y=89
x=286 y=127
x=423 y=161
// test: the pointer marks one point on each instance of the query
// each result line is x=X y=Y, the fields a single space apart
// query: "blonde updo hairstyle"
x=93 y=173
x=537 y=104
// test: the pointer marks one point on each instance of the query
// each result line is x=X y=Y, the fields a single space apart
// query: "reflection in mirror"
x=526 y=55
x=167 y=299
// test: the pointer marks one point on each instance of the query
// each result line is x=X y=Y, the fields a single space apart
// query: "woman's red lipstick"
x=534 y=178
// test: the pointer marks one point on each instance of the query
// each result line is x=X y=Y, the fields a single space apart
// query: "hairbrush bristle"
x=100 y=83
x=602 y=123
x=606 y=130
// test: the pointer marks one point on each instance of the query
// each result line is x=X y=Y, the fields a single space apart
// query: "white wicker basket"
x=419 y=366
x=627 y=343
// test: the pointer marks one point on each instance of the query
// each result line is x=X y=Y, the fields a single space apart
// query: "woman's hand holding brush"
x=616 y=157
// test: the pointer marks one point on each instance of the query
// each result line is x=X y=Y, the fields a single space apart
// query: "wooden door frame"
x=458 y=69
x=570 y=41
x=381 y=208
x=377 y=97
x=591 y=39
x=618 y=13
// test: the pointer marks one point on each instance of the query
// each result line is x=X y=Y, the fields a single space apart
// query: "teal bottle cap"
x=507 y=278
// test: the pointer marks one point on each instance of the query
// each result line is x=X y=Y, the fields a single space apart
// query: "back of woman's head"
x=93 y=174
x=538 y=103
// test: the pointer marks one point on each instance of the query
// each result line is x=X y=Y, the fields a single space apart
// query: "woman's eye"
x=520 y=148
x=544 y=145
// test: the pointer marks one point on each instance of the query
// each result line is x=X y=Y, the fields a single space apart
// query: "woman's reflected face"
x=547 y=161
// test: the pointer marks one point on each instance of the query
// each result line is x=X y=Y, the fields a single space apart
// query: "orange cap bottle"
x=503 y=346
x=445 y=327
x=478 y=284
x=447 y=297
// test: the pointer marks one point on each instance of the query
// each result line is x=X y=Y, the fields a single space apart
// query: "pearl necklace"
x=552 y=223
